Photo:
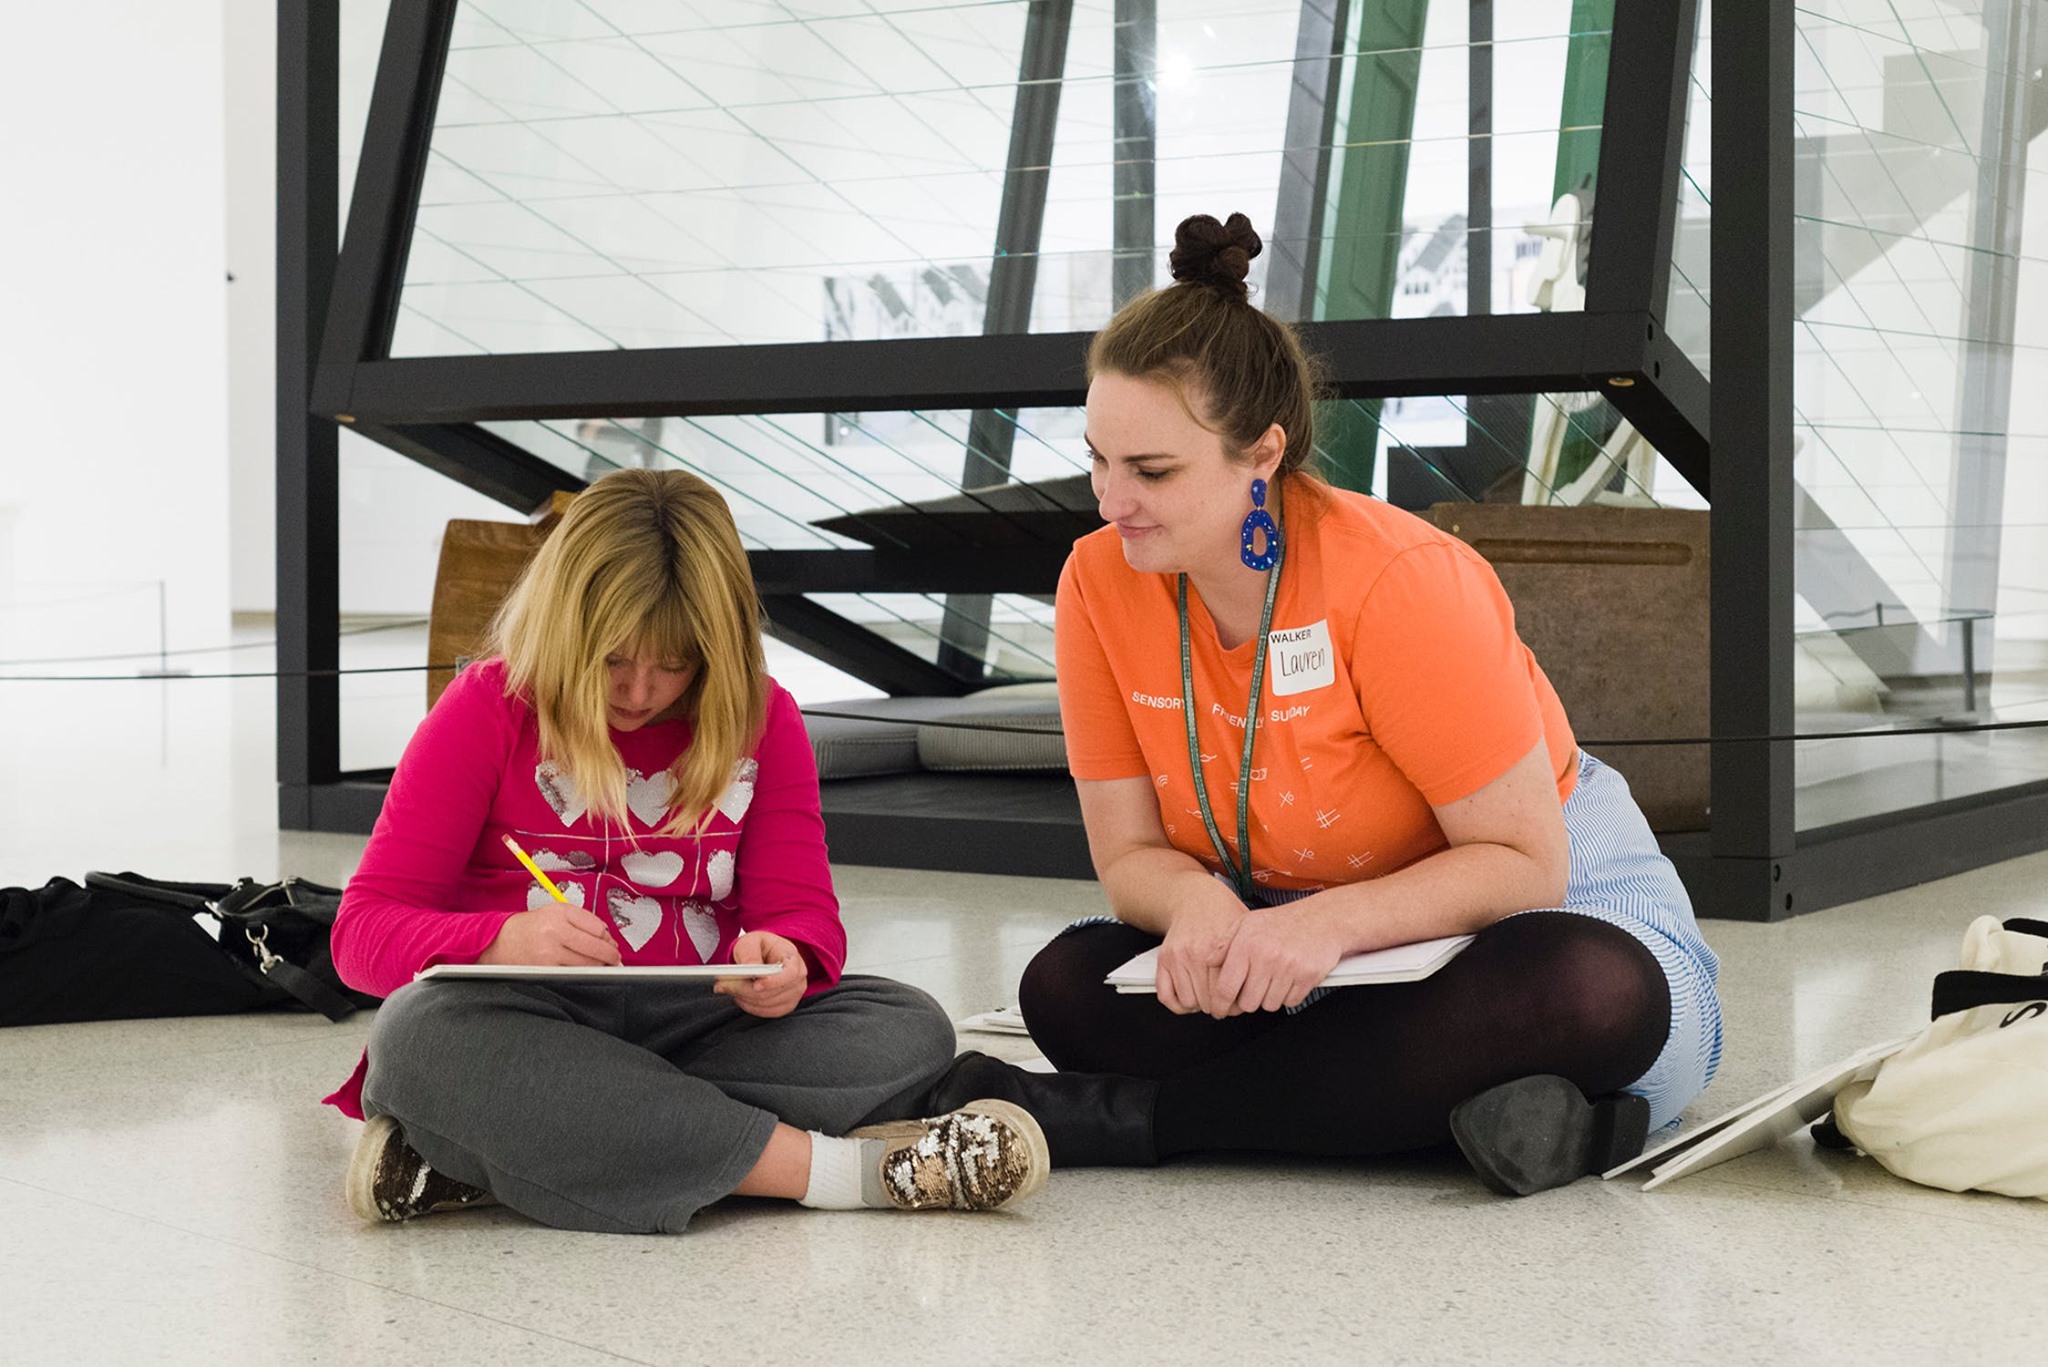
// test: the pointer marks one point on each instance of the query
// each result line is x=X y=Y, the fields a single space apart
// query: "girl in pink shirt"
x=627 y=736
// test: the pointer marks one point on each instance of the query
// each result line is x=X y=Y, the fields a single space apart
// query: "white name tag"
x=1299 y=659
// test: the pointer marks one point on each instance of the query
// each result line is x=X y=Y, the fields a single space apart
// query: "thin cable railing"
x=1861 y=733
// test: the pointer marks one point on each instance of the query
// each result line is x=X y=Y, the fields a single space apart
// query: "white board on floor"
x=1760 y=1123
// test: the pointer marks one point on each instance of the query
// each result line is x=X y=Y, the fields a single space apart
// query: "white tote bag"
x=1964 y=1106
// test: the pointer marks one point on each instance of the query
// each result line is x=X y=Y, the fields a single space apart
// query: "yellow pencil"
x=523 y=857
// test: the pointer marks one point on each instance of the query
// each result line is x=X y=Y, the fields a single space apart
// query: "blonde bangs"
x=666 y=633
x=645 y=564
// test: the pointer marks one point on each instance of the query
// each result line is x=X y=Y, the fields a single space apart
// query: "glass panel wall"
x=833 y=481
x=828 y=481
x=1567 y=450
x=614 y=175
x=1687 y=317
x=788 y=475
x=1921 y=393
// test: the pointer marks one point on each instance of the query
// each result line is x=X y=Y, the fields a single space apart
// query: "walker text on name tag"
x=1300 y=659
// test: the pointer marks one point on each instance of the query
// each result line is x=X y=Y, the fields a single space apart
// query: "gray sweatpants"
x=627 y=1108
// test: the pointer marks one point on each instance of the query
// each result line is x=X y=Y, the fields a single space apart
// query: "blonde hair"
x=1201 y=333
x=645 y=563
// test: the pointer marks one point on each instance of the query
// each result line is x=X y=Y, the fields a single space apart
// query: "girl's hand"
x=1279 y=956
x=1194 y=949
x=558 y=934
x=773 y=996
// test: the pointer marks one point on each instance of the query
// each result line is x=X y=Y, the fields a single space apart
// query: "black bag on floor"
x=124 y=946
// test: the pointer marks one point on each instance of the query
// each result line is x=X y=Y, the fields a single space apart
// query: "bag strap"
x=246 y=907
x=305 y=988
x=1965 y=989
x=250 y=902
x=242 y=902
x=187 y=896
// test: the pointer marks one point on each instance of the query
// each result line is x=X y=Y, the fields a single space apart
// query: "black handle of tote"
x=1964 y=989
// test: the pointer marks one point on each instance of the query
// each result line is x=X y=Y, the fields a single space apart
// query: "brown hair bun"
x=1206 y=252
x=1237 y=370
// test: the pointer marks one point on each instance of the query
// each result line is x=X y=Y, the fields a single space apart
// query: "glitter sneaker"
x=984 y=1156
x=388 y=1180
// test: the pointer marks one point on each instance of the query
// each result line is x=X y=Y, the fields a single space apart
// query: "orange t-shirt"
x=1395 y=683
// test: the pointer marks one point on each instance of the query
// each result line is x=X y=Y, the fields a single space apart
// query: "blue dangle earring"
x=1256 y=521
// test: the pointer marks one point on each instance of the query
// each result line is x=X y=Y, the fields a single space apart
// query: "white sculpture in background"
x=1556 y=287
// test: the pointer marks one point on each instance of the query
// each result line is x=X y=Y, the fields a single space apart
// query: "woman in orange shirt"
x=1407 y=773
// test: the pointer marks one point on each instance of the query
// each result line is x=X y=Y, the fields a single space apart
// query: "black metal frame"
x=1752 y=865
x=1751 y=615
x=308 y=501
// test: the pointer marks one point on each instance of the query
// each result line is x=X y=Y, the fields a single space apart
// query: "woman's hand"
x=557 y=935
x=1279 y=955
x=772 y=996
x=1194 y=950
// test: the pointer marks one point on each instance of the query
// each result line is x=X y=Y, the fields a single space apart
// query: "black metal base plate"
x=1026 y=824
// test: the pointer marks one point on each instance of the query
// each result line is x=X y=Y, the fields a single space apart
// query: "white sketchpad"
x=1395 y=964
x=1760 y=1123
x=614 y=973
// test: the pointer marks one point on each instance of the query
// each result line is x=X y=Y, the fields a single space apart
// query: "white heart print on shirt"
x=739 y=794
x=647 y=795
x=719 y=870
x=702 y=926
x=636 y=917
x=560 y=791
x=575 y=861
x=537 y=896
x=653 y=870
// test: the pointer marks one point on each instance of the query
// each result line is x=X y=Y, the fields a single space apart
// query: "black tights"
x=1366 y=1070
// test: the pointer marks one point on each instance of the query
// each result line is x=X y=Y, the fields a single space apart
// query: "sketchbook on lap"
x=597 y=972
x=1395 y=964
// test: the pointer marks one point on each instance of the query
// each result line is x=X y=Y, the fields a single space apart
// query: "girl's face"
x=1165 y=482
x=643 y=691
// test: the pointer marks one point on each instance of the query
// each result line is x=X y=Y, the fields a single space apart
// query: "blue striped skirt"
x=1619 y=875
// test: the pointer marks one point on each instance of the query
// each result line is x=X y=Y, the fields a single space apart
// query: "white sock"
x=845 y=1173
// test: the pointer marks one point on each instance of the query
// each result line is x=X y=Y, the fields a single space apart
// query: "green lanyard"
x=1240 y=876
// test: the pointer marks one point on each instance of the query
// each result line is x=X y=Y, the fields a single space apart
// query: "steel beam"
x=385 y=201
x=1365 y=358
x=1753 y=833
x=479 y=459
x=1642 y=149
x=308 y=494
x=1295 y=244
x=1133 y=233
x=1020 y=569
x=1479 y=159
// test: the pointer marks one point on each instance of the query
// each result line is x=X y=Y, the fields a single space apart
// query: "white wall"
x=393 y=511
x=250 y=69
x=113 y=412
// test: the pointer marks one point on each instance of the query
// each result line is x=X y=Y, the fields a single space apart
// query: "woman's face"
x=644 y=691
x=1164 y=481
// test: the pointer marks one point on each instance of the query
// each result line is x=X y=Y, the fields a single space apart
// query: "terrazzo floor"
x=170 y=1191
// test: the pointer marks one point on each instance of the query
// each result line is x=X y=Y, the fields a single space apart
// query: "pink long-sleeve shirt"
x=436 y=881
